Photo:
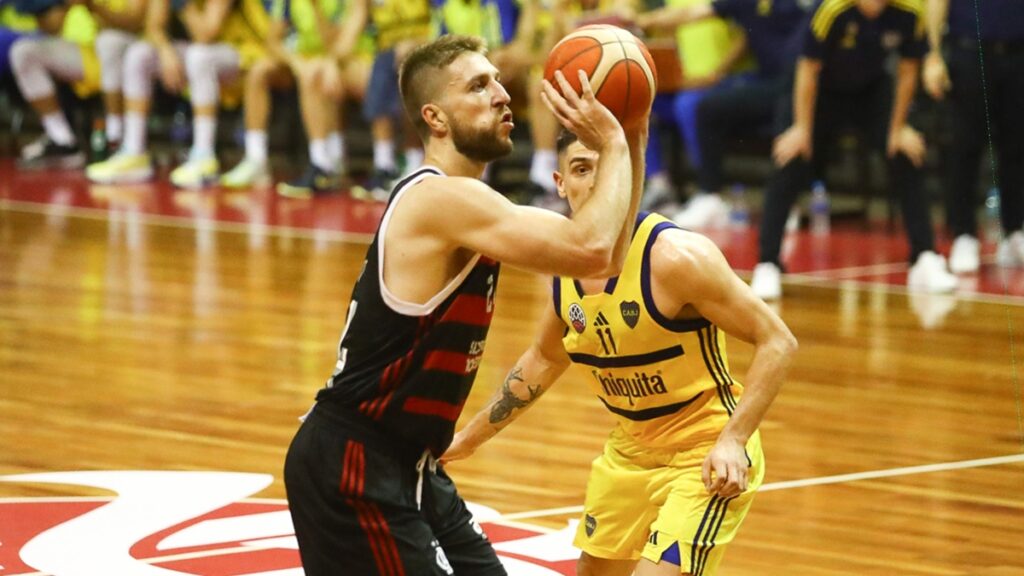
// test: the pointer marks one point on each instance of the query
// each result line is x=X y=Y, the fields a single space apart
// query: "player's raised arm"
x=717 y=294
x=535 y=371
x=469 y=214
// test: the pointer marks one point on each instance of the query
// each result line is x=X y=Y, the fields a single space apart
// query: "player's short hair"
x=417 y=78
x=565 y=138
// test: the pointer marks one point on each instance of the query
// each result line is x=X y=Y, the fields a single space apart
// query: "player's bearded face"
x=482 y=144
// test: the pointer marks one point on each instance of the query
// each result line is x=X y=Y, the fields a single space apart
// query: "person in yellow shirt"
x=300 y=33
x=680 y=468
x=65 y=52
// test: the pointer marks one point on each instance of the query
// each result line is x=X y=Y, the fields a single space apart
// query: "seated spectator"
x=398 y=26
x=712 y=55
x=193 y=44
x=841 y=81
x=772 y=30
x=296 y=52
x=119 y=29
x=62 y=52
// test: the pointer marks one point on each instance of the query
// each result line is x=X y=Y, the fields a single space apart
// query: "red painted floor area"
x=851 y=253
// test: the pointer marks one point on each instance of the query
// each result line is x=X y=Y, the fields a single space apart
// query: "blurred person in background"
x=841 y=81
x=398 y=27
x=198 y=45
x=296 y=55
x=983 y=75
x=64 y=52
x=747 y=106
x=713 y=56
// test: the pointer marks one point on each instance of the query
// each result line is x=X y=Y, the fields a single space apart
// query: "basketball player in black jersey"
x=365 y=493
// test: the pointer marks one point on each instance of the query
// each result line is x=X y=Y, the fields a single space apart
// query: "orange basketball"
x=618 y=65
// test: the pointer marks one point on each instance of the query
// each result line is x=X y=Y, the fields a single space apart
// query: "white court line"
x=839 y=479
x=189 y=222
x=510 y=518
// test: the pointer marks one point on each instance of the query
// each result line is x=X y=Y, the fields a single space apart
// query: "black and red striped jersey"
x=410 y=367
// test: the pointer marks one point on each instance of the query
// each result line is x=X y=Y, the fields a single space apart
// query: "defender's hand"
x=725 y=469
x=458 y=450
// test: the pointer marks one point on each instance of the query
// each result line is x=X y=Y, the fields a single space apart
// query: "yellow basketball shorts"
x=640 y=501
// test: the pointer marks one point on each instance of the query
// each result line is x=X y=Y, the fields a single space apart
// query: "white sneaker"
x=1010 y=253
x=704 y=211
x=247 y=173
x=929 y=274
x=658 y=193
x=964 y=256
x=767 y=281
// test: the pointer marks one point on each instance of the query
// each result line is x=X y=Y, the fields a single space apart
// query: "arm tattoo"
x=508 y=402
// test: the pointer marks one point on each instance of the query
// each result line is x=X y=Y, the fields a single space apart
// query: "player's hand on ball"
x=582 y=114
x=725 y=470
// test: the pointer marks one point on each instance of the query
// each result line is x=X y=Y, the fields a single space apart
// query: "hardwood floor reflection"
x=126 y=344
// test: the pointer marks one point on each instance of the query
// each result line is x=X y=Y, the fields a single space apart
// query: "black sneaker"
x=378 y=187
x=45 y=154
x=313 y=182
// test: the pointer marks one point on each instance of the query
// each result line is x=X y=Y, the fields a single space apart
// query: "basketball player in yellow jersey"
x=680 y=469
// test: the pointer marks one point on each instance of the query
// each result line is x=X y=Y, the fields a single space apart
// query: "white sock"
x=413 y=159
x=203 y=139
x=336 y=147
x=114 y=128
x=256 y=146
x=319 y=155
x=56 y=126
x=384 y=155
x=542 y=166
x=134 y=133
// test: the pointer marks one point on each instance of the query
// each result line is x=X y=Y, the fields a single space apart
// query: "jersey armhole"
x=394 y=302
x=687 y=325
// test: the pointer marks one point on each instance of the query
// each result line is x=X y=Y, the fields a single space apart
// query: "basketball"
x=618 y=65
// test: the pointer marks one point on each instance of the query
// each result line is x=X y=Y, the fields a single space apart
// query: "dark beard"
x=480 y=145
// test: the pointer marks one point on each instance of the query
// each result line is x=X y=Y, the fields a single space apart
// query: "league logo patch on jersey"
x=630 y=312
x=577 y=318
x=891 y=39
x=590 y=524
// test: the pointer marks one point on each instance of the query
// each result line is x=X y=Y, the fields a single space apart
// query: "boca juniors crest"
x=198 y=524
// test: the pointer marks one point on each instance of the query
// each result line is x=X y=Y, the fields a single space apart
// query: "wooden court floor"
x=129 y=343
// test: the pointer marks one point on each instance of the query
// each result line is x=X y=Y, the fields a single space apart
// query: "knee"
x=199 y=60
x=110 y=43
x=24 y=54
x=137 y=56
x=259 y=75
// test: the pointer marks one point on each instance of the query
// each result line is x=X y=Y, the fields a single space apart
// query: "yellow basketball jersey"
x=667 y=381
x=397 y=20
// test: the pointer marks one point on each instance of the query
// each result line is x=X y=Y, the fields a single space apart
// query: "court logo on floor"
x=198 y=524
